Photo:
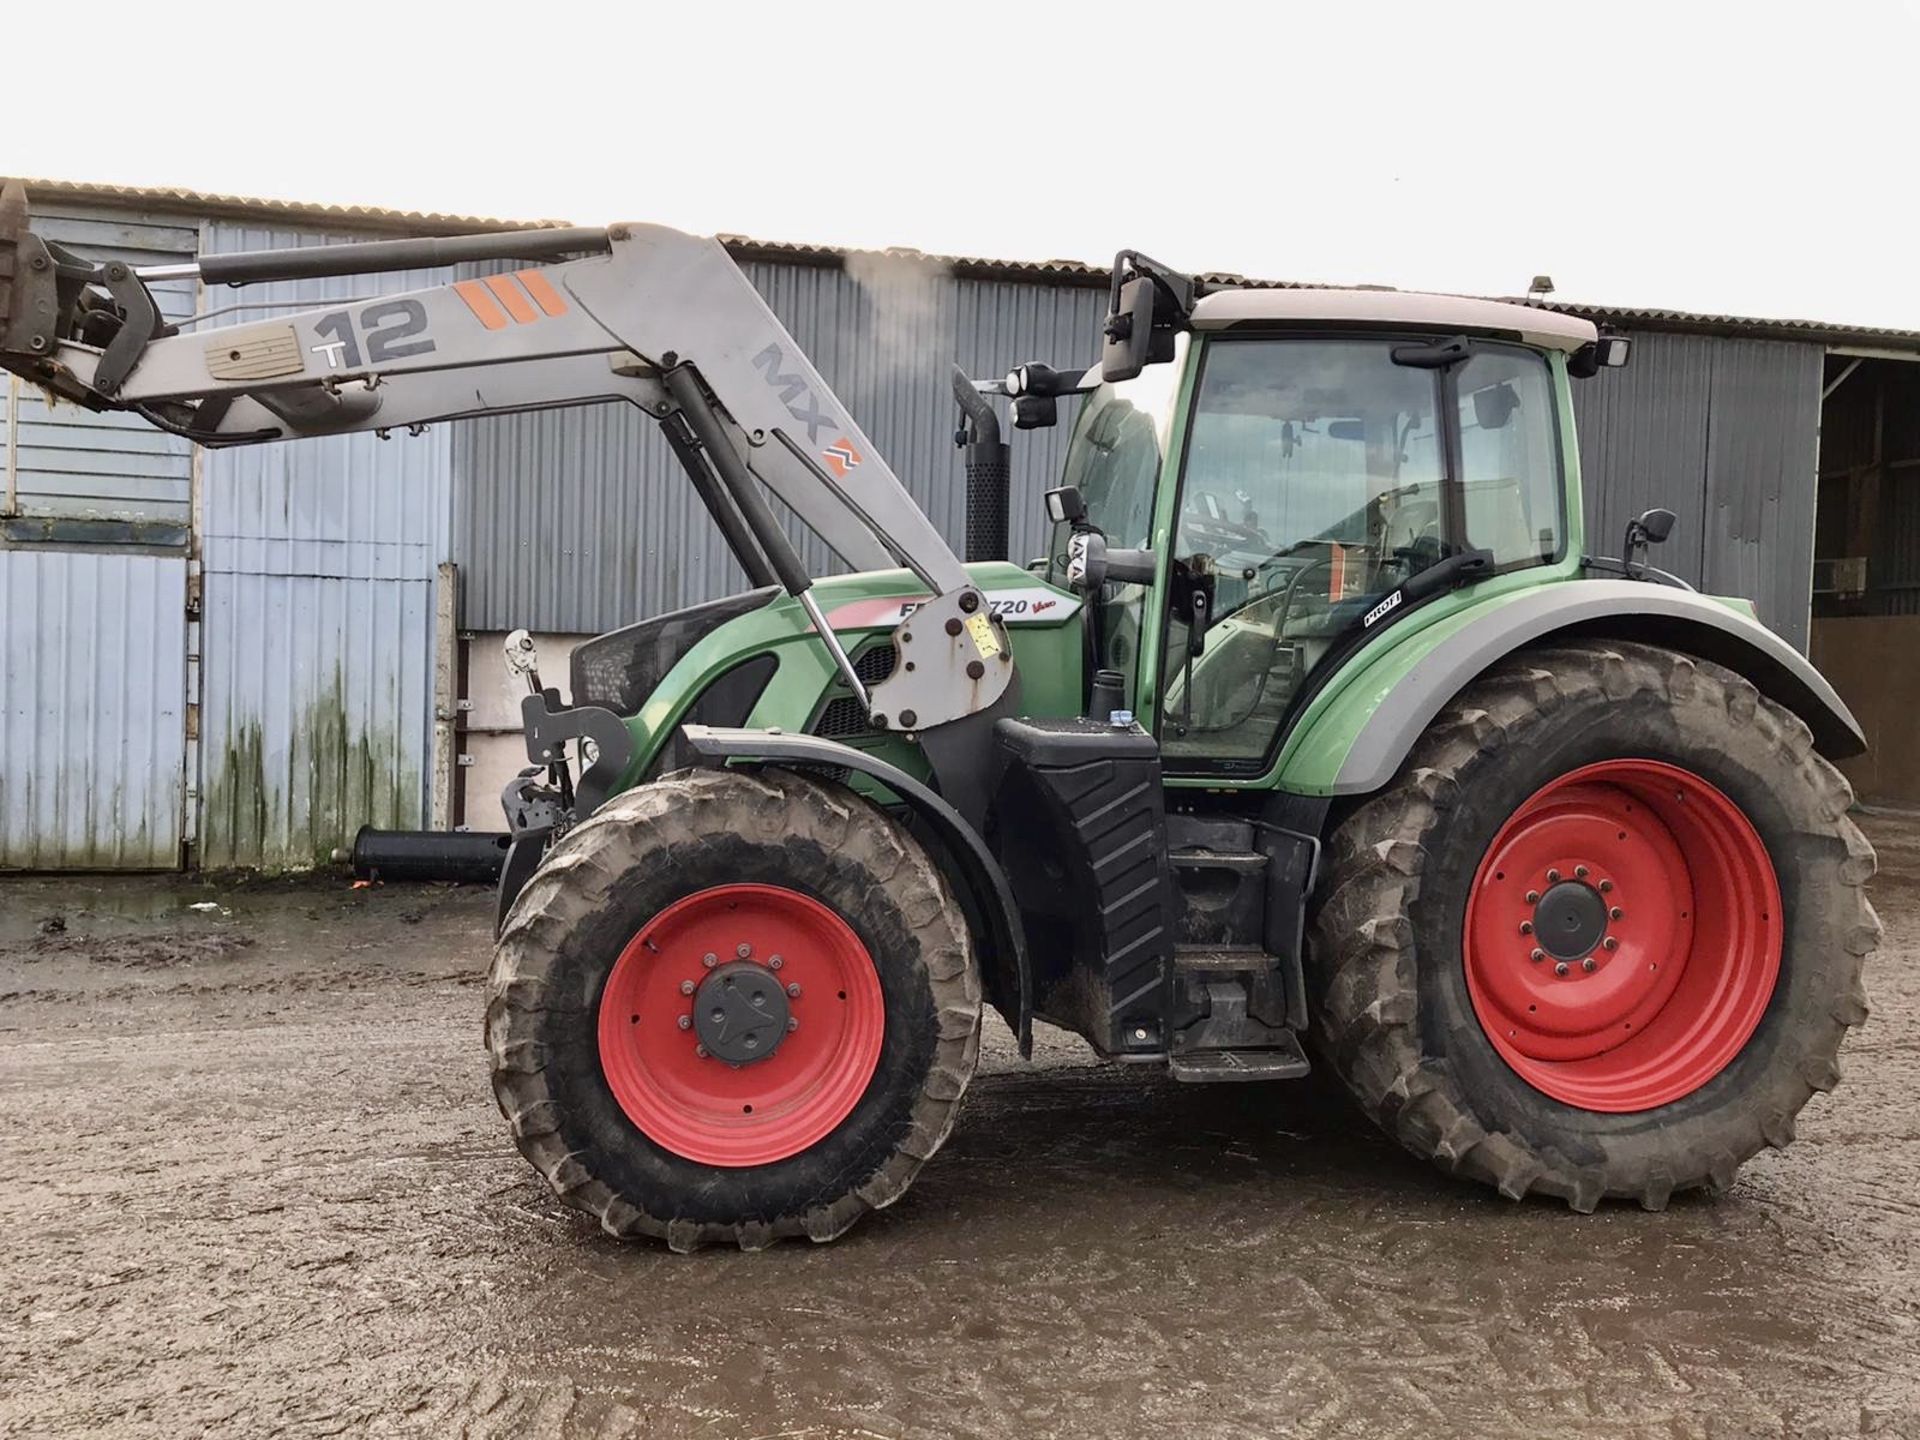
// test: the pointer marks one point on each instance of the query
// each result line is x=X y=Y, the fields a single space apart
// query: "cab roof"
x=1391 y=309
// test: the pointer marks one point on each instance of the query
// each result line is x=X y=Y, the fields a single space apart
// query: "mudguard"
x=970 y=865
x=1619 y=609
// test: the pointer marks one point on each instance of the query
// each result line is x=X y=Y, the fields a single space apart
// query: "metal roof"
x=1547 y=328
x=1054 y=272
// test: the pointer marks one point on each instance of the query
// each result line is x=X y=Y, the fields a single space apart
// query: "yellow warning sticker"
x=981 y=629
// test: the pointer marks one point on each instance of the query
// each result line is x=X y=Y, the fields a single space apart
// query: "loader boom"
x=642 y=314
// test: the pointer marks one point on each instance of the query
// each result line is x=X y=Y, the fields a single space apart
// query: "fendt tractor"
x=1319 y=734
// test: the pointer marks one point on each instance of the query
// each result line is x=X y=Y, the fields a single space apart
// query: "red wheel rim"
x=1685 y=958
x=697 y=1105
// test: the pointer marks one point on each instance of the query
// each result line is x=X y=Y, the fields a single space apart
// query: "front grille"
x=875 y=663
x=844 y=715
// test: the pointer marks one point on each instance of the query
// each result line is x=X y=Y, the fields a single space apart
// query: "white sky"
x=1752 y=158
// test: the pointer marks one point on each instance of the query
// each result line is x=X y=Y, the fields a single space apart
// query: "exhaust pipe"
x=989 y=463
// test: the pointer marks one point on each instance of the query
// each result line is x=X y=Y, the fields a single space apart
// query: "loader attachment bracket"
x=550 y=724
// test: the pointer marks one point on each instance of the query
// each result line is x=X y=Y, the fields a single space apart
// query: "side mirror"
x=1128 y=332
x=1650 y=528
x=1609 y=352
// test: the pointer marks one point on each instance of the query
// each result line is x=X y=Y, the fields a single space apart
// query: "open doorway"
x=1866 y=572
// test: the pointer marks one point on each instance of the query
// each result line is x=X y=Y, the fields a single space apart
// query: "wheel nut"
x=1589 y=965
x=1579 y=872
x=1553 y=877
x=793 y=991
x=1560 y=968
x=1611 y=943
x=1526 y=927
x=686 y=987
x=1617 y=913
x=743 y=950
x=709 y=960
x=793 y=1023
x=686 y=1022
x=1605 y=886
x=1533 y=897
x=774 y=962
x=1538 y=955
x=701 y=1051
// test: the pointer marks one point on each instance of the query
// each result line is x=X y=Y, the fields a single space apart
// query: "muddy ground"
x=256 y=1185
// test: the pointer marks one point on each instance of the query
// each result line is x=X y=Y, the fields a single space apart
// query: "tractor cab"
x=1302 y=468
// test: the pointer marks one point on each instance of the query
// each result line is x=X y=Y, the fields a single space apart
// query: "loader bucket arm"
x=640 y=314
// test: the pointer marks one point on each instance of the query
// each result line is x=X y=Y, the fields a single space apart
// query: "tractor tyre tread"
x=1364 y=963
x=529 y=1000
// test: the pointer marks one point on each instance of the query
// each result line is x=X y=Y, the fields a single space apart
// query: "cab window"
x=1315 y=483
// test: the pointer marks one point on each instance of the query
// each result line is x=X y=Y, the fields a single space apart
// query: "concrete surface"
x=255 y=1185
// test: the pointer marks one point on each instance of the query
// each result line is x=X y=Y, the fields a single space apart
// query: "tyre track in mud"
x=257 y=1186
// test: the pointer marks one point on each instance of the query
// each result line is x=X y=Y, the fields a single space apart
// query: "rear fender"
x=1386 y=725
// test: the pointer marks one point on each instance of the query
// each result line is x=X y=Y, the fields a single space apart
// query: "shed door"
x=94 y=519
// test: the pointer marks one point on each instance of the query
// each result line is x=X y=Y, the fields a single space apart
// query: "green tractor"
x=1318 y=737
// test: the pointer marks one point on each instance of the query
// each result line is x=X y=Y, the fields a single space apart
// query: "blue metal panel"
x=71 y=462
x=317 y=621
x=579 y=520
x=1725 y=433
x=92 y=709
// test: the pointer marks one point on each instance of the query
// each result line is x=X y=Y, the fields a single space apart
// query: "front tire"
x=732 y=1007
x=1484 y=1015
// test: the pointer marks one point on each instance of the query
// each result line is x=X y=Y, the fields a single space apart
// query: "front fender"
x=1385 y=719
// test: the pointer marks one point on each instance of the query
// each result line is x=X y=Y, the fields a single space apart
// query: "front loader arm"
x=645 y=315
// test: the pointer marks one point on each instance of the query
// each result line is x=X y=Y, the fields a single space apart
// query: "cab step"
x=1286 y=1061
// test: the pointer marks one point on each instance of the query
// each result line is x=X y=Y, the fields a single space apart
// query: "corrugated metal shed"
x=93 y=677
x=580 y=520
x=317 y=623
x=1726 y=434
x=69 y=463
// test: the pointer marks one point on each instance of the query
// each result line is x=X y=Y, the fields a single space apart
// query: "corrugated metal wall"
x=581 y=521
x=1726 y=434
x=93 y=678
x=319 y=560
x=70 y=462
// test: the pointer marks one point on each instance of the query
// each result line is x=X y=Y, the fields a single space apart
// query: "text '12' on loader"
x=1318 y=731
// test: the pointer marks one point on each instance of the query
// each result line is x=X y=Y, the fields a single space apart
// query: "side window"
x=1311 y=488
x=1509 y=472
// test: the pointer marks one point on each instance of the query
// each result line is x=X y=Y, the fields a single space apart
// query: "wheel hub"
x=1623 y=935
x=1570 y=920
x=749 y=1059
x=740 y=1013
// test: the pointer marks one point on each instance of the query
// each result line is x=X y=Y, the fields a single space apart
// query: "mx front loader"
x=1318 y=736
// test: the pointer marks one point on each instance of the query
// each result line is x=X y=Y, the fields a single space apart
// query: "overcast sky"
x=1751 y=158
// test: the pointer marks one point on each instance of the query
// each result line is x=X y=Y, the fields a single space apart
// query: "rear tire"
x=630 y=1130
x=1401 y=971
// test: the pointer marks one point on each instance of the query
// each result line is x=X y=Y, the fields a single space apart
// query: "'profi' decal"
x=1029 y=605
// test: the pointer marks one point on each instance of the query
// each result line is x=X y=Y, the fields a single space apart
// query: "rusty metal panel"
x=319 y=566
x=93 y=679
x=579 y=520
